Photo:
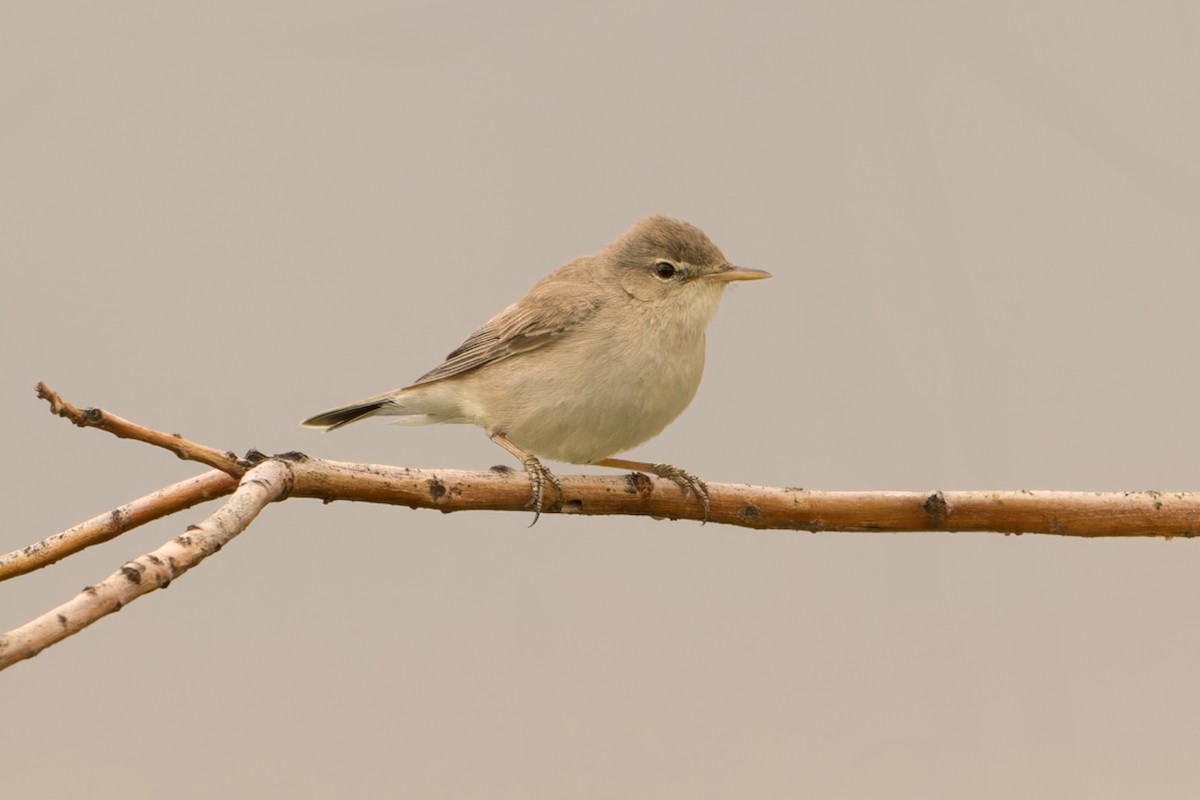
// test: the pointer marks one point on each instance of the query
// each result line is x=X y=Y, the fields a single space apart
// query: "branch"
x=267 y=479
x=263 y=484
x=162 y=503
x=124 y=429
x=1086 y=514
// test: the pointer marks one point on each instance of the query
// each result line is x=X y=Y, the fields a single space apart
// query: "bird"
x=598 y=357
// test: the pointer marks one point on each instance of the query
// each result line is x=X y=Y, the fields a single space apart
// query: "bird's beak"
x=732 y=273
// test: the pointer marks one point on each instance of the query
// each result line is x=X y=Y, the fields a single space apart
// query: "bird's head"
x=673 y=265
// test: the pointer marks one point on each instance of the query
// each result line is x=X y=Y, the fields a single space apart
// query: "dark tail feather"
x=331 y=420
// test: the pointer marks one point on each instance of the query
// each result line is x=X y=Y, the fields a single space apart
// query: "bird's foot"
x=539 y=476
x=689 y=483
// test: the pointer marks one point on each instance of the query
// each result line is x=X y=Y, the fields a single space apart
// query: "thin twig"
x=124 y=429
x=263 y=484
x=164 y=502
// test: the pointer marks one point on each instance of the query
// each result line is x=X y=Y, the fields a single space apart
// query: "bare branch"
x=124 y=429
x=266 y=483
x=164 y=502
x=1085 y=514
x=1062 y=513
x=267 y=479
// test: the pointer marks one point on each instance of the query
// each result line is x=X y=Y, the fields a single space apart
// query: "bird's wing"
x=539 y=318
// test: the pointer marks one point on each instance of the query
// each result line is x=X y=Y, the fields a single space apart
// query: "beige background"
x=983 y=222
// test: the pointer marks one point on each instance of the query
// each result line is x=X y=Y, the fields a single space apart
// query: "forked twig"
x=164 y=502
x=265 y=483
x=266 y=479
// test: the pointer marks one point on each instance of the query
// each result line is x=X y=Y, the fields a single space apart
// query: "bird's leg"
x=687 y=482
x=539 y=476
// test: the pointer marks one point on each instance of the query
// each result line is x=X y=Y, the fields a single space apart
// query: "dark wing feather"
x=530 y=323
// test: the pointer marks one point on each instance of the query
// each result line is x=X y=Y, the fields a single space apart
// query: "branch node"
x=437 y=489
x=253 y=458
x=936 y=509
x=639 y=484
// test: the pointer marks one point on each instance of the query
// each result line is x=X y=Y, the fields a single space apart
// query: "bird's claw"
x=689 y=483
x=539 y=476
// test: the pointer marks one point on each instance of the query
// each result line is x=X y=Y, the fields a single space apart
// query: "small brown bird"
x=598 y=357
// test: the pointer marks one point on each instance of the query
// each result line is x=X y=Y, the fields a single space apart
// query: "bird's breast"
x=601 y=390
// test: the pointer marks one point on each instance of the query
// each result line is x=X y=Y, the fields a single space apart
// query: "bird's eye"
x=665 y=270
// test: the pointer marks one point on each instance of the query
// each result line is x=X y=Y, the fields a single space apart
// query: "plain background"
x=984 y=224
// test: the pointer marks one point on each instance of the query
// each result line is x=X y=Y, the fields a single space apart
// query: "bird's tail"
x=336 y=418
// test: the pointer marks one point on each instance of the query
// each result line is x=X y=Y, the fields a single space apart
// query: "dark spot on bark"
x=292 y=455
x=192 y=528
x=936 y=509
x=133 y=572
x=1158 y=505
x=115 y=518
x=62 y=620
x=254 y=456
x=177 y=435
x=749 y=513
x=637 y=483
x=183 y=540
x=92 y=415
x=501 y=469
x=437 y=489
x=90 y=590
x=153 y=559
